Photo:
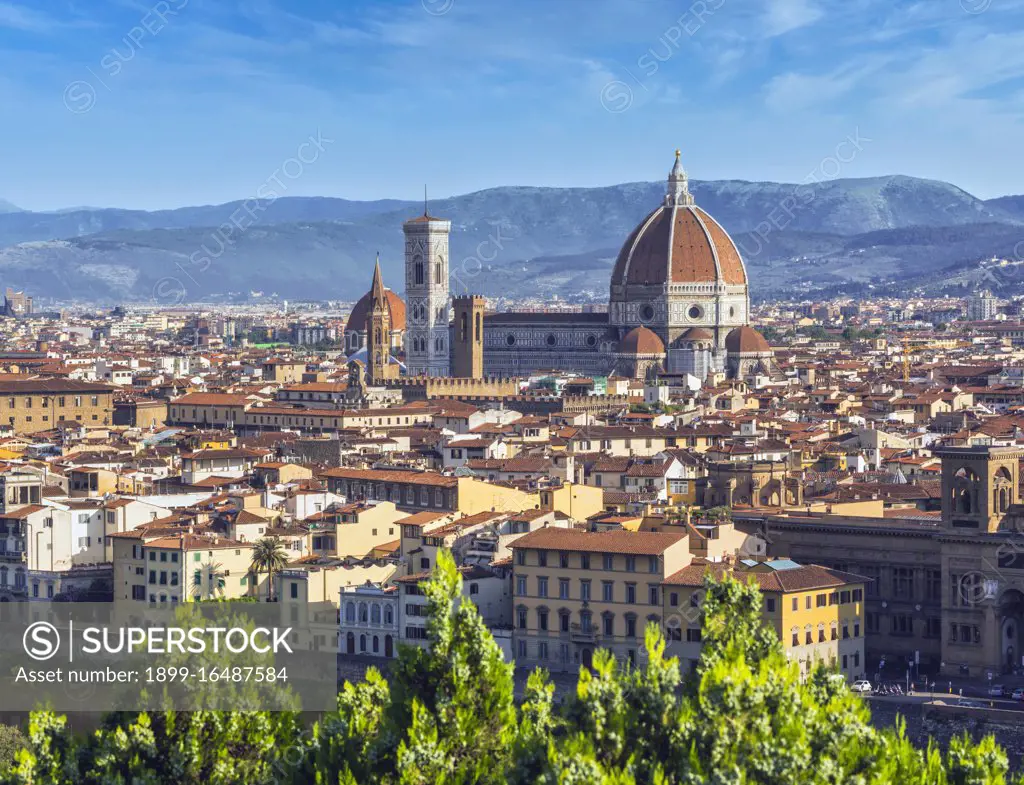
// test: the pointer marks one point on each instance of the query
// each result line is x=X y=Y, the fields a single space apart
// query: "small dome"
x=641 y=340
x=746 y=340
x=697 y=334
x=357 y=319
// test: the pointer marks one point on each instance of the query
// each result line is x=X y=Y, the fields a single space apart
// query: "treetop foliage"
x=449 y=716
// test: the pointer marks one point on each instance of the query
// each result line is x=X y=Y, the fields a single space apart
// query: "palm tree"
x=269 y=556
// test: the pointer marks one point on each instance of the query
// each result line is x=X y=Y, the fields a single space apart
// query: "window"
x=542 y=558
x=520 y=558
x=693 y=635
x=631 y=564
x=631 y=626
x=563 y=621
x=821 y=600
x=821 y=633
x=294 y=591
x=584 y=590
x=607 y=588
x=846 y=631
x=631 y=593
x=521 y=618
x=563 y=560
x=609 y=562
x=542 y=647
x=652 y=595
x=542 y=587
x=796 y=604
x=807 y=602
x=903 y=582
x=542 y=619
x=902 y=624
x=584 y=561
x=769 y=604
x=652 y=564
x=563 y=588
x=673 y=599
x=795 y=636
x=608 y=624
x=520 y=584
x=808 y=635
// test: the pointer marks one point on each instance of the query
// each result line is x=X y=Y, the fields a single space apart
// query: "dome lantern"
x=678 y=192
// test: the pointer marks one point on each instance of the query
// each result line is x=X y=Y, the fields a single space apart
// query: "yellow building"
x=577 y=591
x=354 y=529
x=818 y=613
x=33 y=405
x=160 y=568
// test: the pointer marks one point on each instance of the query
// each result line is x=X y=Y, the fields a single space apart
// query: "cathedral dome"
x=396 y=309
x=678 y=243
x=746 y=340
x=641 y=340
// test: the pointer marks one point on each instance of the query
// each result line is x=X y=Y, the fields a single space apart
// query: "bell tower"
x=378 y=332
x=468 y=337
x=427 y=295
x=979 y=485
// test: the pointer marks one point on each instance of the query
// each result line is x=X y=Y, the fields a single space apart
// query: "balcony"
x=579 y=634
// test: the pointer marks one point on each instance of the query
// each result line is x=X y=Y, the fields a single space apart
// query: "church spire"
x=377 y=287
x=678 y=192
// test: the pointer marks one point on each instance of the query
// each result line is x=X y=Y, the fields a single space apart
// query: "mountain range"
x=840 y=235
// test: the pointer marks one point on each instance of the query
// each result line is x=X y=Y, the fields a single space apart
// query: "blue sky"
x=178 y=102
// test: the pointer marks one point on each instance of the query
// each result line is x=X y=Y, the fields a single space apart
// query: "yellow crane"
x=908 y=350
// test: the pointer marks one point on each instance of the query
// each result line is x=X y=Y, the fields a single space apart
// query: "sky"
x=118 y=103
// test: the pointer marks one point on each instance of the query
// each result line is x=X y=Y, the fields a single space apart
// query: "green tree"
x=11 y=741
x=269 y=556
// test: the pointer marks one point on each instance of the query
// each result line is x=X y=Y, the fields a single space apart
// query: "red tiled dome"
x=357 y=319
x=746 y=340
x=641 y=340
x=679 y=244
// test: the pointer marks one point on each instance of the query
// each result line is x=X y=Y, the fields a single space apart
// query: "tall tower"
x=426 y=295
x=378 y=332
x=468 y=337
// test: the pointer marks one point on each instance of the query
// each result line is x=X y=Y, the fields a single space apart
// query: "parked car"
x=997 y=690
x=1018 y=694
x=862 y=686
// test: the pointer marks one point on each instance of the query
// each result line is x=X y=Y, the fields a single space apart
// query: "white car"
x=861 y=686
x=1018 y=694
x=997 y=690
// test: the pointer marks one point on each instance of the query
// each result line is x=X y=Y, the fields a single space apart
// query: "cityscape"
x=671 y=481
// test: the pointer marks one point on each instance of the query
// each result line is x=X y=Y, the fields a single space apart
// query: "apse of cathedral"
x=678 y=304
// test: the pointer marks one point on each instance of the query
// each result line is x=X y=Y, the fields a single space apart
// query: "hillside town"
x=859 y=461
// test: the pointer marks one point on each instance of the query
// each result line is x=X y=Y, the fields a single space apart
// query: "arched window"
x=389 y=617
x=474 y=588
x=438 y=270
x=479 y=327
x=363 y=614
x=362 y=643
x=350 y=612
x=417 y=266
x=375 y=614
x=463 y=326
x=376 y=644
x=3 y=576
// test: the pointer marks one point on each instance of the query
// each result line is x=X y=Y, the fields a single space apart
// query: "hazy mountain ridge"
x=513 y=240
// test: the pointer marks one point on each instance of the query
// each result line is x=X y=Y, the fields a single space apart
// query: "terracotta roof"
x=641 y=340
x=383 y=475
x=746 y=340
x=801 y=578
x=636 y=543
x=396 y=309
x=678 y=245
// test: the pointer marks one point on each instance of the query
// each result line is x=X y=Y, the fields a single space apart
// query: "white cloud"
x=782 y=16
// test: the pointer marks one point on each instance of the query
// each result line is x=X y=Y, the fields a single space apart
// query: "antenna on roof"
x=424 y=200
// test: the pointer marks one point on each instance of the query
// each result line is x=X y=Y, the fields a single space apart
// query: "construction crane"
x=908 y=351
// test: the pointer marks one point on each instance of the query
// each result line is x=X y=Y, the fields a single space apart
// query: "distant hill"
x=7 y=207
x=512 y=240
